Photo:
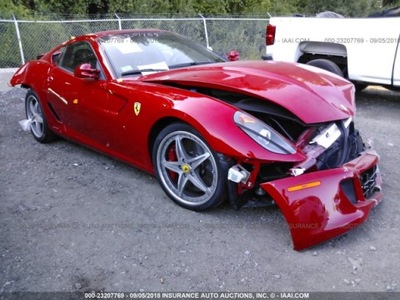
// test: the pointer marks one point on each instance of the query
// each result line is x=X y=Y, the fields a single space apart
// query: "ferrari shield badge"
x=136 y=107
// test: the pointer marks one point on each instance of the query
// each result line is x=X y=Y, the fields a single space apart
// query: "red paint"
x=320 y=213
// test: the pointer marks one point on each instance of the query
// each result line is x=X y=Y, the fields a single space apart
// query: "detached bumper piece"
x=321 y=205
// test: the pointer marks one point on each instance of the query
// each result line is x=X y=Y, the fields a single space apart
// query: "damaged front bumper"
x=324 y=204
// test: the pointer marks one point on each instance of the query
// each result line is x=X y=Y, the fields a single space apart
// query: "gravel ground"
x=75 y=220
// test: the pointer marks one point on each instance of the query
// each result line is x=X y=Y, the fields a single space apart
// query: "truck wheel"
x=360 y=87
x=327 y=65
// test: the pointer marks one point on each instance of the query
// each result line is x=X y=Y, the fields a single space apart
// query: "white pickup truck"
x=364 y=50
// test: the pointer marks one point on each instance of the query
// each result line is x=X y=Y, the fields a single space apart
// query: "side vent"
x=53 y=112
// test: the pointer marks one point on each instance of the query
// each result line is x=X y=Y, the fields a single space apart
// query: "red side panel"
x=19 y=75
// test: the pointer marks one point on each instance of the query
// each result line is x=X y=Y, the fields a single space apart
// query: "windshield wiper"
x=193 y=63
x=135 y=72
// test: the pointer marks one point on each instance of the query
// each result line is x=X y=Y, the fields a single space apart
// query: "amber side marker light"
x=304 y=186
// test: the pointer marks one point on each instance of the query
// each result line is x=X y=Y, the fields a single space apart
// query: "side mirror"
x=233 y=55
x=86 y=71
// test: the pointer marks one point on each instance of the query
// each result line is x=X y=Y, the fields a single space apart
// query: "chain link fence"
x=23 y=40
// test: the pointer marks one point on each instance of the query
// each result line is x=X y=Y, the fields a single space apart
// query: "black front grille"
x=368 y=184
x=345 y=149
x=368 y=181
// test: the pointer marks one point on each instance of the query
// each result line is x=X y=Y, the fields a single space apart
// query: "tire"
x=327 y=65
x=360 y=87
x=188 y=170
x=38 y=124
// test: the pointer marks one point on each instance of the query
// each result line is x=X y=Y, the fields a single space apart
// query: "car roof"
x=119 y=31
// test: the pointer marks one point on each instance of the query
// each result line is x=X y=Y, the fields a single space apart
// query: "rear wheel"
x=188 y=170
x=38 y=124
x=327 y=65
x=360 y=87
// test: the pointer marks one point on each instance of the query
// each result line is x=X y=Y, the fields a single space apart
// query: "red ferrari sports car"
x=250 y=132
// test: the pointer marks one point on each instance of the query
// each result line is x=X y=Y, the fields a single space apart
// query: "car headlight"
x=263 y=134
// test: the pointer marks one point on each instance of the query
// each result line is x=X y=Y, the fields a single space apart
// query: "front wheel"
x=188 y=170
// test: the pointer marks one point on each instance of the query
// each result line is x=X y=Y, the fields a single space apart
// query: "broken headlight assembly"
x=261 y=133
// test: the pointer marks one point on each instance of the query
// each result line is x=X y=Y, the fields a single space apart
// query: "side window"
x=77 y=54
x=56 y=56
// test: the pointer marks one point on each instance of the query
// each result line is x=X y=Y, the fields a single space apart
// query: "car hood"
x=312 y=94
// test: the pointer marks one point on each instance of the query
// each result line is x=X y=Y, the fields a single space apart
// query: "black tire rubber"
x=42 y=132
x=211 y=172
x=360 y=87
x=327 y=65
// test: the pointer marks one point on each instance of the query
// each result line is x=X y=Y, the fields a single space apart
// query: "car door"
x=85 y=106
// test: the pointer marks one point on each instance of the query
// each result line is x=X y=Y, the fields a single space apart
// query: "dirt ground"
x=75 y=220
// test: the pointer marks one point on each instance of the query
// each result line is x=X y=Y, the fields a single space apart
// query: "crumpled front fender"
x=19 y=75
x=324 y=204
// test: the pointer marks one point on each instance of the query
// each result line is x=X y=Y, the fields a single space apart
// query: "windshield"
x=152 y=51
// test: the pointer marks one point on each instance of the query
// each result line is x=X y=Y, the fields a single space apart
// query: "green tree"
x=81 y=8
x=16 y=8
x=68 y=7
x=287 y=7
x=390 y=2
x=243 y=7
x=347 y=8
x=139 y=7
